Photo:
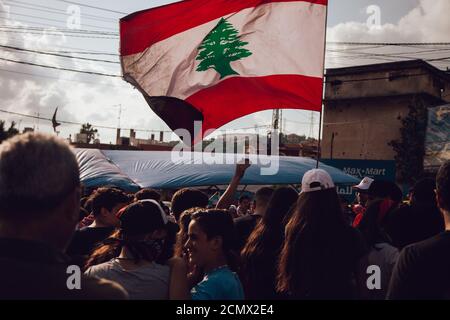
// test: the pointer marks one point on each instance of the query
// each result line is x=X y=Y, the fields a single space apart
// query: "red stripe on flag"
x=239 y=96
x=140 y=30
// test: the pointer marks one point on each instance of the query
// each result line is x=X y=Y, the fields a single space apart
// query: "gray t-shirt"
x=149 y=282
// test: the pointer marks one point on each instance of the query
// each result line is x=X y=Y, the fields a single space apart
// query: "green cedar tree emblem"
x=221 y=46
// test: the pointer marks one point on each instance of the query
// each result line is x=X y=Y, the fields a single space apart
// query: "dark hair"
x=379 y=189
x=138 y=219
x=83 y=214
x=395 y=193
x=316 y=222
x=243 y=197
x=423 y=191
x=263 y=195
x=187 y=198
x=147 y=193
x=370 y=226
x=265 y=242
x=443 y=186
x=107 y=198
x=182 y=235
x=218 y=223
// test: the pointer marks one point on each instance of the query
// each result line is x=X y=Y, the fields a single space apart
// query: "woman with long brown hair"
x=260 y=254
x=320 y=256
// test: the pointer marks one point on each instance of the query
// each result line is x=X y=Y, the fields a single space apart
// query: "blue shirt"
x=219 y=284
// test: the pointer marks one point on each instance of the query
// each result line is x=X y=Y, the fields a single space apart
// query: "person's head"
x=268 y=234
x=187 y=198
x=423 y=192
x=143 y=230
x=262 y=197
x=318 y=204
x=395 y=193
x=106 y=202
x=362 y=190
x=316 y=221
x=183 y=225
x=244 y=203
x=443 y=190
x=279 y=207
x=147 y=193
x=211 y=239
x=379 y=190
x=39 y=189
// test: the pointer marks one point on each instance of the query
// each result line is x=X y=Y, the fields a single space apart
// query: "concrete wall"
x=364 y=107
x=362 y=128
x=385 y=83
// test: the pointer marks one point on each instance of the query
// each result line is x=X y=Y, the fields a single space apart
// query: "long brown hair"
x=264 y=245
x=316 y=220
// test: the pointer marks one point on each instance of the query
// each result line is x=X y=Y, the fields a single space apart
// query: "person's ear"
x=438 y=199
x=71 y=205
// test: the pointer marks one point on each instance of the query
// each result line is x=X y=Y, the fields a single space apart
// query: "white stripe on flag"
x=284 y=38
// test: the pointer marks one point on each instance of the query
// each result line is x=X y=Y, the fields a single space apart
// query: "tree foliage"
x=89 y=130
x=410 y=148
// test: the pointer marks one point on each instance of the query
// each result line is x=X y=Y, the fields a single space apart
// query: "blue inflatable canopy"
x=131 y=170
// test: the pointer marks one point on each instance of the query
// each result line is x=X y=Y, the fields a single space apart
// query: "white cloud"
x=428 y=22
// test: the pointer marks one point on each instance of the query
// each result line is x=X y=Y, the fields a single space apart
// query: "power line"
x=82 y=31
x=62 y=69
x=92 y=7
x=377 y=78
x=54 y=10
x=55 y=33
x=57 y=78
x=52 y=20
x=58 y=55
x=111 y=127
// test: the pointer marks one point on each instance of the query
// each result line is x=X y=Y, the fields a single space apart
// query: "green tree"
x=89 y=130
x=410 y=148
x=7 y=133
x=221 y=46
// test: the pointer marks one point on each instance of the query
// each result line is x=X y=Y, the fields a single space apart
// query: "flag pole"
x=323 y=89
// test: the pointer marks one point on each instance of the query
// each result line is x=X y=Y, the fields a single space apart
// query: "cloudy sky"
x=97 y=99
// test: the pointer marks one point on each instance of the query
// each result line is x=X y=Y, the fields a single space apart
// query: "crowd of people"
x=278 y=244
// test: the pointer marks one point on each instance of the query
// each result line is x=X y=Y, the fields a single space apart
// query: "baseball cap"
x=364 y=184
x=316 y=180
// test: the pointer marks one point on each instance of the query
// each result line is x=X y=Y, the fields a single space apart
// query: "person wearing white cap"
x=362 y=190
x=321 y=251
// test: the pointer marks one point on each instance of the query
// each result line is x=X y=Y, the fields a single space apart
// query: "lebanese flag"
x=218 y=60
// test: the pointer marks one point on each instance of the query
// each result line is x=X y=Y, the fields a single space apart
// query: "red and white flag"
x=218 y=60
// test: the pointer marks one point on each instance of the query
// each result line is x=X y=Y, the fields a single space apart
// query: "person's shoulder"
x=243 y=221
x=440 y=241
x=100 y=269
x=223 y=275
x=102 y=289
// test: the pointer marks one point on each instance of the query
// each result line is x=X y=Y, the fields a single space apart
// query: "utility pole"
x=311 y=125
